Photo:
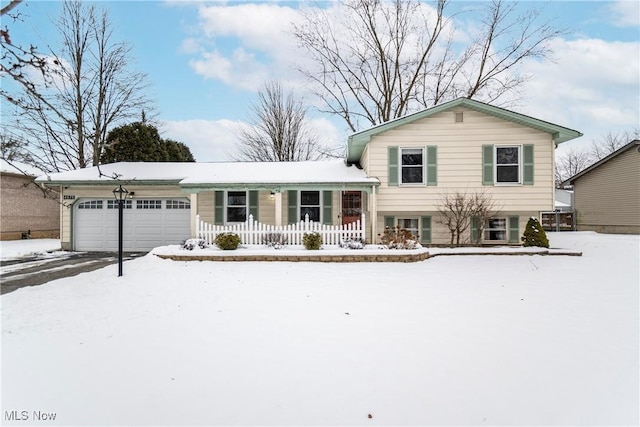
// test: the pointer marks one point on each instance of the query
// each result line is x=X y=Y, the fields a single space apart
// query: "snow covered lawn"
x=473 y=340
x=10 y=249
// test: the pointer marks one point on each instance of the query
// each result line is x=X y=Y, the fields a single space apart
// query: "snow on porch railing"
x=252 y=232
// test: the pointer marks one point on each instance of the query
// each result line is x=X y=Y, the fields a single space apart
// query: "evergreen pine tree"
x=534 y=234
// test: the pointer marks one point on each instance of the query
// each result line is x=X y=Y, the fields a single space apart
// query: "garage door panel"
x=96 y=226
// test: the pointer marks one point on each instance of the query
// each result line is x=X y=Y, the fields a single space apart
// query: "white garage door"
x=147 y=223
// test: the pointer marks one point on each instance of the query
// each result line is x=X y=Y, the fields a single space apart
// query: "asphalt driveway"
x=37 y=270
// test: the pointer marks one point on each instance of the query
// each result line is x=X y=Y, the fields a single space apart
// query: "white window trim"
x=320 y=195
x=495 y=166
x=226 y=206
x=506 y=230
x=424 y=167
x=413 y=218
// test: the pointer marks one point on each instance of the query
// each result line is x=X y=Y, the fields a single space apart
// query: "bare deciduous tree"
x=280 y=131
x=87 y=87
x=609 y=143
x=381 y=60
x=458 y=209
x=570 y=163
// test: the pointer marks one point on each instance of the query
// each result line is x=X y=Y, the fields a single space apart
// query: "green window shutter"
x=218 y=209
x=327 y=202
x=432 y=165
x=392 y=157
x=292 y=206
x=389 y=221
x=425 y=231
x=487 y=165
x=253 y=204
x=475 y=231
x=527 y=164
x=514 y=231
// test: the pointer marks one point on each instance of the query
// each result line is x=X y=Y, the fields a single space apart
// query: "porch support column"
x=193 y=200
x=278 y=202
x=373 y=220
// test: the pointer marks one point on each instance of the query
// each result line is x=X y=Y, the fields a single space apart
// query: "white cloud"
x=208 y=140
x=625 y=13
x=593 y=87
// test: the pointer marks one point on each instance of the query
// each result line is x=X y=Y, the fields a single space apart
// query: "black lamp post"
x=120 y=193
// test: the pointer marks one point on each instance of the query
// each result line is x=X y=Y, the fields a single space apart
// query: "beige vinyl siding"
x=607 y=198
x=106 y=192
x=459 y=154
x=266 y=208
x=205 y=206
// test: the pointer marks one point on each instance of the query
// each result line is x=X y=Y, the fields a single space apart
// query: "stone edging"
x=348 y=258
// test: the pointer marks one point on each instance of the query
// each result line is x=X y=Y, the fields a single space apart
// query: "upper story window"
x=236 y=206
x=310 y=205
x=412 y=165
x=508 y=165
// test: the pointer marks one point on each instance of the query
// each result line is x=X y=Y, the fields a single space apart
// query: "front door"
x=351 y=206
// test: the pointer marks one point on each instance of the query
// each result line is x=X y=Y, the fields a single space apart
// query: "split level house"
x=396 y=173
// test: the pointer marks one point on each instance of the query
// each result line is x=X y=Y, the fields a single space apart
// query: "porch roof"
x=200 y=176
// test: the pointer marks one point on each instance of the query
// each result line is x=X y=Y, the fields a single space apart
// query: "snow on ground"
x=473 y=340
x=10 y=249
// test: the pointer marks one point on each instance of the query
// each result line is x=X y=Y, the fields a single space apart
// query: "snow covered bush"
x=352 y=244
x=534 y=234
x=227 y=241
x=312 y=241
x=274 y=240
x=190 y=244
x=399 y=238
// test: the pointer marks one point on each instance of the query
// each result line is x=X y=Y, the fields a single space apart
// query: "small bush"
x=399 y=238
x=534 y=234
x=191 y=244
x=353 y=243
x=312 y=241
x=274 y=240
x=227 y=241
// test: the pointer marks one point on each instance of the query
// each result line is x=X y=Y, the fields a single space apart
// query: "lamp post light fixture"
x=120 y=193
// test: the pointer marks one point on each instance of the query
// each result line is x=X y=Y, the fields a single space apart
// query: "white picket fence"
x=252 y=232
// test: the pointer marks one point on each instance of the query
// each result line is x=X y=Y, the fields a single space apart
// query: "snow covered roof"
x=19 y=168
x=329 y=172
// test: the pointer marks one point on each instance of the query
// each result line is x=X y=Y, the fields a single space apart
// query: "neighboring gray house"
x=607 y=194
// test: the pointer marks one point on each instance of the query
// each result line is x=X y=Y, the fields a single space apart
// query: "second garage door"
x=148 y=223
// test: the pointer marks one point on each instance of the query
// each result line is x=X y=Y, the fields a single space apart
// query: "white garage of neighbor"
x=147 y=223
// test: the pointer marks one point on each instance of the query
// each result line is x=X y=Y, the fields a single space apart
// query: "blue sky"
x=206 y=62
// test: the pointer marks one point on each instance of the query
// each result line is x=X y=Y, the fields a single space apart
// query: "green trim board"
x=357 y=141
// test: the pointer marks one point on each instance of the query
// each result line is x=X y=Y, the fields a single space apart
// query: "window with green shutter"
x=218 y=208
x=327 y=207
x=527 y=164
x=425 y=229
x=514 y=229
x=432 y=165
x=253 y=204
x=292 y=206
x=392 y=158
x=487 y=165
